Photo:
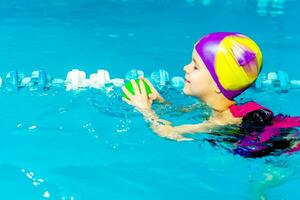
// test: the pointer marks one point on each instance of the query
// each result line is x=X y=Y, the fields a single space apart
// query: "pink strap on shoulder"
x=242 y=110
x=286 y=122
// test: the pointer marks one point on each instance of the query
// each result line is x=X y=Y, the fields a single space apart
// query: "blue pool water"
x=87 y=145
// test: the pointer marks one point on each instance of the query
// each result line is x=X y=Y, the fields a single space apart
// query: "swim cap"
x=233 y=60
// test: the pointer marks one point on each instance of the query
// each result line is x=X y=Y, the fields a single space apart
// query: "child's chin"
x=186 y=91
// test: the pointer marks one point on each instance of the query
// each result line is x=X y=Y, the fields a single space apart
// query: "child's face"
x=198 y=81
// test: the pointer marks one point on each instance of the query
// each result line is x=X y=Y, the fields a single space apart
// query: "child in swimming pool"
x=223 y=66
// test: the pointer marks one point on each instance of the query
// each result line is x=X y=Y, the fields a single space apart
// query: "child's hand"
x=168 y=132
x=139 y=99
x=154 y=95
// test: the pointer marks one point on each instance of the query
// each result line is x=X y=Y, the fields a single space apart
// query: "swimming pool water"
x=86 y=145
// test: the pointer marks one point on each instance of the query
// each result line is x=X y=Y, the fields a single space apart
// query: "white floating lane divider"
x=283 y=79
x=134 y=74
x=277 y=80
x=160 y=78
x=76 y=79
x=99 y=79
x=39 y=80
x=295 y=84
x=177 y=82
x=57 y=82
x=25 y=81
x=12 y=80
x=118 y=82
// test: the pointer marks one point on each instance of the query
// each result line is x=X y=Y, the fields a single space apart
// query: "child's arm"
x=143 y=103
x=165 y=129
x=155 y=95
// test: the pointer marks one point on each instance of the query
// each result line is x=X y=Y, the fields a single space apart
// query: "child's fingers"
x=143 y=89
x=128 y=94
x=164 y=121
x=126 y=100
x=151 y=101
x=160 y=98
x=184 y=139
x=152 y=96
x=179 y=138
x=150 y=84
x=135 y=87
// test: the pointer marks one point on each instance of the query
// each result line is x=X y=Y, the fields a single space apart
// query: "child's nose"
x=187 y=68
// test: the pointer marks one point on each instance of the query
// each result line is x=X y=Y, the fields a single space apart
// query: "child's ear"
x=218 y=90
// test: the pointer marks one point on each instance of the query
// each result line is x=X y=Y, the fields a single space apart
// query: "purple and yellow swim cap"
x=233 y=60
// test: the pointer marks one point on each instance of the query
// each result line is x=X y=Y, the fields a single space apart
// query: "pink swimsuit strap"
x=278 y=121
x=242 y=110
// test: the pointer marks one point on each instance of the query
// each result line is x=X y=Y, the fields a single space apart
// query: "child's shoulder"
x=241 y=113
x=243 y=109
x=225 y=119
x=252 y=113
